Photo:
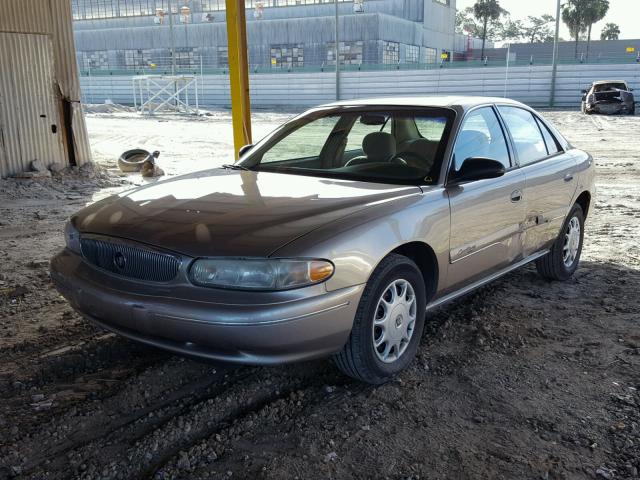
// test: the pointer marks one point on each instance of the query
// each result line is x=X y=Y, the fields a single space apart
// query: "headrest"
x=379 y=146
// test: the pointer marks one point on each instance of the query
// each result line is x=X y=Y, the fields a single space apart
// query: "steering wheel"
x=356 y=161
x=398 y=160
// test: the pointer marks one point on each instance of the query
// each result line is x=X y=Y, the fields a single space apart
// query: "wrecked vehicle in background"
x=608 y=97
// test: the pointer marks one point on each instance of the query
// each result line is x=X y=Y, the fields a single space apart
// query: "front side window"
x=481 y=136
x=381 y=146
x=526 y=134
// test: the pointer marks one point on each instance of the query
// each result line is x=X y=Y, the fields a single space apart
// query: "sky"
x=626 y=13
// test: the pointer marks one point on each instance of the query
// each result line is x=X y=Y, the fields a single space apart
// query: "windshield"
x=395 y=145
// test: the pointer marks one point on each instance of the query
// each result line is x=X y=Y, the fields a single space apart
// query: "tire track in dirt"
x=314 y=391
x=111 y=427
x=177 y=383
x=138 y=446
x=74 y=357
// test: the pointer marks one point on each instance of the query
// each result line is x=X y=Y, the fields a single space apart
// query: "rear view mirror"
x=373 y=119
x=477 y=168
x=244 y=149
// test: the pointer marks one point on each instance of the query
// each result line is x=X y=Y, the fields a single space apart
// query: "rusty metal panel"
x=67 y=75
x=51 y=18
x=31 y=112
x=25 y=16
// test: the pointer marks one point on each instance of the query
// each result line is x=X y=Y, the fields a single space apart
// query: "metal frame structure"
x=238 y=73
x=151 y=93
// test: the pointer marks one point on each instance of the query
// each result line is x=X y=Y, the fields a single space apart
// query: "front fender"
x=357 y=243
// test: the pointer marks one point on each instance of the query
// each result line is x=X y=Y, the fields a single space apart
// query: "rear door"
x=486 y=215
x=549 y=176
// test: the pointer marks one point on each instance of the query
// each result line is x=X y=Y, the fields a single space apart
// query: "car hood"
x=224 y=212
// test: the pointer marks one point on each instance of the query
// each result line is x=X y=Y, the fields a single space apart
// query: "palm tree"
x=484 y=11
x=611 y=31
x=594 y=11
x=572 y=16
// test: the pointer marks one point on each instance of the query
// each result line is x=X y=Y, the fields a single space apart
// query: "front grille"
x=132 y=262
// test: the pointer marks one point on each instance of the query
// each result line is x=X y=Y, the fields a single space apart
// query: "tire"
x=132 y=160
x=359 y=358
x=554 y=266
x=632 y=111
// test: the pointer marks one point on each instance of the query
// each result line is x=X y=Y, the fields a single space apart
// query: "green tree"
x=538 y=29
x=611 y=31
x=572 y=16
x=485 y=11
x=512 y=30
x=594 y=11
x=467 y=24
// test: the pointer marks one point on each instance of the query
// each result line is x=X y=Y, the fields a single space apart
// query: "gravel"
x=523 y=379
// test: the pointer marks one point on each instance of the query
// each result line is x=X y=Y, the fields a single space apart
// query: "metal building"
x=121 y=35
x=40 y=113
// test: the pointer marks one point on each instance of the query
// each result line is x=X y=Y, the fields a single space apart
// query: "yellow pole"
x=238 y=73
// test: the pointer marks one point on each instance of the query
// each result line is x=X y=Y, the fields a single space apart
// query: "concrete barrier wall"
x=531 y=85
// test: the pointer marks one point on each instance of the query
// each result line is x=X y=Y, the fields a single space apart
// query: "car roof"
x=600 y=82
x=461 y=101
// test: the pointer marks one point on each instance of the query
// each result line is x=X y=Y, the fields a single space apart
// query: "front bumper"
x=247 y=328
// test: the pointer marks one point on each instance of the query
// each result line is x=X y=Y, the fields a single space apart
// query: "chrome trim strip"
x=451 y=261
x=484 y=281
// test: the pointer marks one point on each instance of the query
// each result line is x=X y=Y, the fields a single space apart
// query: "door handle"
x=516 y=196
x=568 y=177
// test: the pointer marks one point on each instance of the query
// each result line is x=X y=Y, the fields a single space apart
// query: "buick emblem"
x=119 y=260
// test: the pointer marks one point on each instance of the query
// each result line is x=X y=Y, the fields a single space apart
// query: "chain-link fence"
x=194 y=64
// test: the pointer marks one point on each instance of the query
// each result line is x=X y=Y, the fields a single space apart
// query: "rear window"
x=431 y=128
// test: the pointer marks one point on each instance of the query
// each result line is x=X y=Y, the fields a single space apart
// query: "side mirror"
x=244 y=149
x=584 y=92
x=631 y=89
x=477 y=168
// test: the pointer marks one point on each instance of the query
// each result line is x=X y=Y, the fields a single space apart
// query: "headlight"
x=72 y=238
x=259 y=274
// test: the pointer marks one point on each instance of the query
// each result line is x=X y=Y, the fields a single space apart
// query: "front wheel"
x=562 y=260
x=388 y=323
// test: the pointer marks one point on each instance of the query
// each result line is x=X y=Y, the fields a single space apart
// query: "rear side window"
x=526 y=134
x=552 y=144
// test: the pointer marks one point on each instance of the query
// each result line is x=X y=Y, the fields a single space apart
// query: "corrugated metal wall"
x=531 y=85
x=29 y=115
x=53 y=19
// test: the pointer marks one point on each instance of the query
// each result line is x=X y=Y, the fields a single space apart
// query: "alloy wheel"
x=571 y=242
x=394 y=320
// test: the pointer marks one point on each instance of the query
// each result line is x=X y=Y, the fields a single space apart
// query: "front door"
x=486 y=215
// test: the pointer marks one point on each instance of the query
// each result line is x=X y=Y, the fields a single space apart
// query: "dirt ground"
x=522 y=380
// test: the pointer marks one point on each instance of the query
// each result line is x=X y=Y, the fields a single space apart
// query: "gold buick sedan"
x=334 y=235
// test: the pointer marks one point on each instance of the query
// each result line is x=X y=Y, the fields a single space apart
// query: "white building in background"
x=292 y=34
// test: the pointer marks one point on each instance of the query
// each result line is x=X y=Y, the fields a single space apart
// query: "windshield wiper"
x=235 y=166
